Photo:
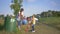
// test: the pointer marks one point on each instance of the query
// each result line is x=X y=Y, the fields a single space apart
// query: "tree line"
x=49 y=13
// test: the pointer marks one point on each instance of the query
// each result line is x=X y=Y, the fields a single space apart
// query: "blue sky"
x=31 y=6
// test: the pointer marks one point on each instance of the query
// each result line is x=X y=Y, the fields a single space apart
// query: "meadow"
x=51 y=21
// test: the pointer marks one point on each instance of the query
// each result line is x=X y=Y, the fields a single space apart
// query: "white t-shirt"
x=22 y=14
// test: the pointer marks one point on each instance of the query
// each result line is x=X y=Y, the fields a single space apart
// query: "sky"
x=31 y=6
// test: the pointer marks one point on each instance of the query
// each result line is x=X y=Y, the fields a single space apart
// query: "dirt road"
x=44 y=29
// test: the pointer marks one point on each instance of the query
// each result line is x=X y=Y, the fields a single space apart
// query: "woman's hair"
x=21 y=10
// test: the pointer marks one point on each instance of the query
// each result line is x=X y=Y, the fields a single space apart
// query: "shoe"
x=33 y=31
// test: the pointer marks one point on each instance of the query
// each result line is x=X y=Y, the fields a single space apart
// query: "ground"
x=40 y=29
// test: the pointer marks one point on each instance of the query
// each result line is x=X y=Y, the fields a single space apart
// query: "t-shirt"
x=34 y=20
x=21 y=13
x=18 y=17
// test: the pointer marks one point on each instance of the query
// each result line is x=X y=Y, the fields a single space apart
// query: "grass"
x=1 y=24
x=40 y=29
x=52 y=21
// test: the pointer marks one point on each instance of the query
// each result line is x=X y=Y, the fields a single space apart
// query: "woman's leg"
x=19 y=25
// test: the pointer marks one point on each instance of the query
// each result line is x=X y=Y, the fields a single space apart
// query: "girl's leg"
x=32 y=27
x=33 y=30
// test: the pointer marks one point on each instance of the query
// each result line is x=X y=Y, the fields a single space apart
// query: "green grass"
x=53 y=21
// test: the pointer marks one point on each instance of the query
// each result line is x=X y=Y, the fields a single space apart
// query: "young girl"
x=33 y=23
x=29 y=21
x=29 y=24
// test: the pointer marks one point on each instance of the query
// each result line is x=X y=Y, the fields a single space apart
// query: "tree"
x=50 y=13
x=16 y=5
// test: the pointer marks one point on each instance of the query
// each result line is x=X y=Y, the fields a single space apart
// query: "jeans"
x=33 y=27
x=19 y=24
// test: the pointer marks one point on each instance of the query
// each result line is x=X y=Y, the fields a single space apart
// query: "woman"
x=20 y=18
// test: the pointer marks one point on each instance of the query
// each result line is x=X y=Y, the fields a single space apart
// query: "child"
x=29 y=24
x=33 y=23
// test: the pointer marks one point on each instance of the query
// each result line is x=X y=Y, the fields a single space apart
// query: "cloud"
x=31 y=0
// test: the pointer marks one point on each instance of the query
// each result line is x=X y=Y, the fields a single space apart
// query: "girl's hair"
x=28 y=18
x=21 y=10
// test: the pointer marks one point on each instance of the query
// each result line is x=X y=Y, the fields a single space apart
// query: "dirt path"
x=44 y=29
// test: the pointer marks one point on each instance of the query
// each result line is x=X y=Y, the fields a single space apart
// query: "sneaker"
x=33 y=31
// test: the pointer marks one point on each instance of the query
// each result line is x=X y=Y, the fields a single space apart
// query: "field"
x=51 y=21
x=49 y=25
